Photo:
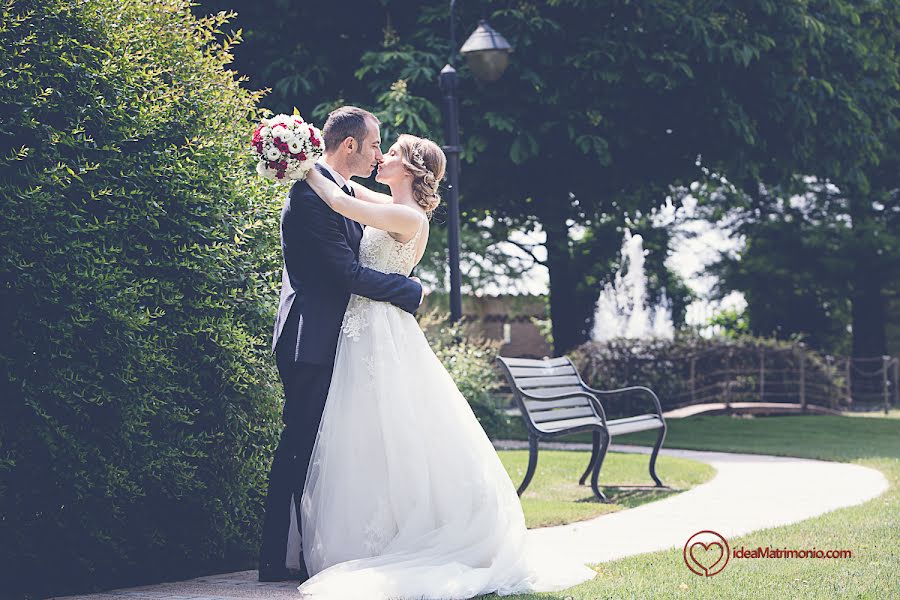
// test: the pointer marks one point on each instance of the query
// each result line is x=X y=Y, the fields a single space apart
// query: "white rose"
x=273 y=153
x=265 y=132
x=265 y=171
x=294 y=145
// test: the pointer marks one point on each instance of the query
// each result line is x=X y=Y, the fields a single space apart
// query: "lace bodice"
x=380 y=252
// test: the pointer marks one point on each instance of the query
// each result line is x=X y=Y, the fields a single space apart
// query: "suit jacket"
x=321 y=269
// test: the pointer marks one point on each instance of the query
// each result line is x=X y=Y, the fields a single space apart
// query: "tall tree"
x=823 y=253
x=606 y=104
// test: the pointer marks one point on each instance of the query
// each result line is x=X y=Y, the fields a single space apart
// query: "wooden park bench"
x=555 y=401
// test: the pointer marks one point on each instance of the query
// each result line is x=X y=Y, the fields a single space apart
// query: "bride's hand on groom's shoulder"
x=313 y=176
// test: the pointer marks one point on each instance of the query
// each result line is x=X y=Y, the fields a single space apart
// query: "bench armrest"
x=633 y=388
x=589 y=396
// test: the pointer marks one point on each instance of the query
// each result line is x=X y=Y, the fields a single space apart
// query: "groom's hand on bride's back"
x=424 y=291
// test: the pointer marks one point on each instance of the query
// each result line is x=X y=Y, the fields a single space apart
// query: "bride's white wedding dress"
x=405 y=496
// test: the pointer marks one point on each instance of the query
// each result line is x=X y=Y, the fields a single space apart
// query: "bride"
x=405 y=496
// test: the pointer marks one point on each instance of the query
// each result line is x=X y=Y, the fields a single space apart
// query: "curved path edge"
x=749 y=492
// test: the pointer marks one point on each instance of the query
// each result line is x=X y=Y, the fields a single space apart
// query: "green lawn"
x=554 y=496
x=870 y=530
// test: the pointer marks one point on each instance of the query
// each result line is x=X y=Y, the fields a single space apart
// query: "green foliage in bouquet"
x=141 y=404
x=470 y=361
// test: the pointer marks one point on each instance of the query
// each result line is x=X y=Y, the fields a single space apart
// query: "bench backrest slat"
x=526 y=372
x=549 y=392
x=562 y=414
x=536 y=362
x=526 y=383
x=535 y=405
x=548 y=379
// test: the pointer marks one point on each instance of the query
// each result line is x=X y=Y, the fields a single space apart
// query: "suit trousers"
x=305 y=391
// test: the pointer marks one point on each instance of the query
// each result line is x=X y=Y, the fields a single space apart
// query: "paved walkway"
x=749 y=492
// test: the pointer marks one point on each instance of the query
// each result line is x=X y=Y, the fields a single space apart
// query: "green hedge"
x=141 y=402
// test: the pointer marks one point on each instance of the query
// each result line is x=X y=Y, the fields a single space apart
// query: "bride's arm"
x=364 y=193
x=389 y=217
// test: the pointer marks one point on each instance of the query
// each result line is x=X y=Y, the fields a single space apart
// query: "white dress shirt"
x=338 y=178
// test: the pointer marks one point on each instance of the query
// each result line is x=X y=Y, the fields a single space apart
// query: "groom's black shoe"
x=302 y=573
x=268 y=573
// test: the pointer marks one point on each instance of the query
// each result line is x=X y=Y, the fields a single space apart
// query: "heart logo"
x=704 y=559
x=706 y=553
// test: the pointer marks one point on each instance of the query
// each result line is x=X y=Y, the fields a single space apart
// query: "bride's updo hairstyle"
x=426 y=162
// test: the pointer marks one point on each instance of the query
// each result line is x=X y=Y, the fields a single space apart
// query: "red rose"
x=314 y=141
x=302 y=156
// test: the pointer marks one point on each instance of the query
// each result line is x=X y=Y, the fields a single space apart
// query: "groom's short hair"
x=344 y=122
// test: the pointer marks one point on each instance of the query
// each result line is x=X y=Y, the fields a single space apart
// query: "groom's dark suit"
x=321 y=270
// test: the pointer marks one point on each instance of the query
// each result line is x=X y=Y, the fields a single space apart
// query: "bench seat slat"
x=561 y=414
x=634 y=424
x=525 y=372
x=539 y=405
x=533 y=382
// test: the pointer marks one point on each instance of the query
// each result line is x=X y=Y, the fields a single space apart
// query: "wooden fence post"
x=762 y=374
x=885 y=363
x=728 y=383
x=693 y=383
x=849 y=383
x=802 y=380
x=831 y=373
x=897 y=382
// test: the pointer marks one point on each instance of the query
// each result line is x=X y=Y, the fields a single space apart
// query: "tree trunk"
x=867 y=285
x=868 y=310
x=564 y=313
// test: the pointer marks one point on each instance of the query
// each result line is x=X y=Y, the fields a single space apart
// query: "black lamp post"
x=487 y=53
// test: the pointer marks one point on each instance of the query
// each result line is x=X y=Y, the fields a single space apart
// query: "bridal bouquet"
x=286 y=146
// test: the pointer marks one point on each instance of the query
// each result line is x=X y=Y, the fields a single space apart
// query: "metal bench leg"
x=594 y=452
x=597 y=464
x=659 y=442
x=532 y=462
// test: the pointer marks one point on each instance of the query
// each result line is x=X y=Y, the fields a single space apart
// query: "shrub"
x=141 y=401
x=470 y=361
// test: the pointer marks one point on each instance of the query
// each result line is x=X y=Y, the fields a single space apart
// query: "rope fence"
x=747 y=373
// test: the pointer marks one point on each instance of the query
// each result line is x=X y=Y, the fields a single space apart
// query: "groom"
x=321 y=270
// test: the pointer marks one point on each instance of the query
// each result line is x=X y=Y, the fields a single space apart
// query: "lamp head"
x=487 y=52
